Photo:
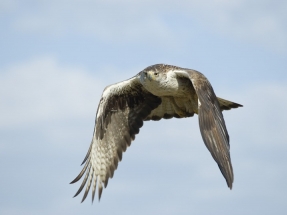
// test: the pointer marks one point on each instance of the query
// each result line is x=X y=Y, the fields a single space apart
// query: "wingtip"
x=100 y=190
x=83 y=199
x=72 y=182
x=76 y=179
x=229 y=184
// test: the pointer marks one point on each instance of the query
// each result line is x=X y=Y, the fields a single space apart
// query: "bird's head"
x=152 y=75
x=154 y=79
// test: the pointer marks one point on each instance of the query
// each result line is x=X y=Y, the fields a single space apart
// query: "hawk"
x=158 y=92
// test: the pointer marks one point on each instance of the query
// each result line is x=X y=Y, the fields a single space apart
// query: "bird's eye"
x=155 y=73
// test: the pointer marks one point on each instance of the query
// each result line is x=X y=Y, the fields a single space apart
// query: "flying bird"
x=157 y=92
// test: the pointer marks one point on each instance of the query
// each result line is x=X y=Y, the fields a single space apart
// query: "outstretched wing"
x=211 y=122
x=120 y=114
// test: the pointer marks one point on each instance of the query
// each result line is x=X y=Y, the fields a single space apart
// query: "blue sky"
x=56 y=59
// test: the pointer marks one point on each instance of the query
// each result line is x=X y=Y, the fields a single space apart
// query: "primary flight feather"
x=159 y=91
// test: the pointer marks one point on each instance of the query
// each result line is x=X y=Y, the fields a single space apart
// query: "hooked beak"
x=147 y=75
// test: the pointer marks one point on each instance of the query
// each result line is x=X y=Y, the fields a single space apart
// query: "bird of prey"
x=157 y=92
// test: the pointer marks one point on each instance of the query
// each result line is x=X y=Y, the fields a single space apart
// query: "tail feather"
x=227 y=105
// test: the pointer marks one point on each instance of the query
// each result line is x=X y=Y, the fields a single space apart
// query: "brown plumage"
x=159 y=91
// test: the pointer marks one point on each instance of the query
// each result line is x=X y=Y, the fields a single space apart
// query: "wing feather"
x=94 y=186
x=88 y=185
x=84 y=181
x=211 y=122
x=121 y=112
x=81 y=173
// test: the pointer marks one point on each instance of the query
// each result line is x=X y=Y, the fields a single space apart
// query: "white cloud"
x=259 y=22
x=108 y=21
x=42 y=90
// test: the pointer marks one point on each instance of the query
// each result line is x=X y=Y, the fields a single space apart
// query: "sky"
x=58 y=55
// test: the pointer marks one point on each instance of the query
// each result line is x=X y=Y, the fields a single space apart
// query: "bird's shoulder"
x=123 y=87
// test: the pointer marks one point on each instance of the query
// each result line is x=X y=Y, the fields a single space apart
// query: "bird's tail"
x=227 y=105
